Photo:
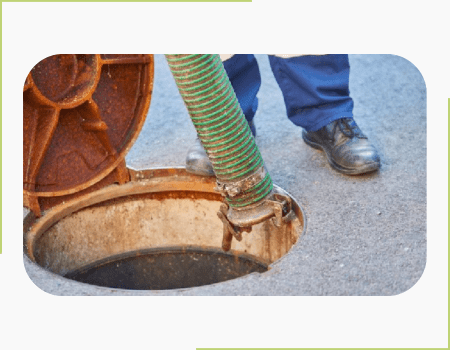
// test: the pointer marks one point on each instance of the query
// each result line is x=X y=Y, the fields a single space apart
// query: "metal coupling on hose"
x=242 y=179
x=276 y=206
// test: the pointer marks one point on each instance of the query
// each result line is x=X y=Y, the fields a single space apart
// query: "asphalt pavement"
x=366 y=235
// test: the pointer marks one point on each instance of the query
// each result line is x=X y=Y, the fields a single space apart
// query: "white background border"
x=414 y=30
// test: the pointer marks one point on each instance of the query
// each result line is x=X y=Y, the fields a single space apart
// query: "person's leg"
x=315 y=88
x=317 y=97
x=243 y=72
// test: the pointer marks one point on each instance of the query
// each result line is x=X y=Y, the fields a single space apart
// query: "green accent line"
x=131 y=1
x=1 y=98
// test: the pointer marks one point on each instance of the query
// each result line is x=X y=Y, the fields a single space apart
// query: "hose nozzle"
x=225 y=134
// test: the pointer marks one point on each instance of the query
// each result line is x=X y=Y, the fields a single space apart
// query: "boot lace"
x=349 y=128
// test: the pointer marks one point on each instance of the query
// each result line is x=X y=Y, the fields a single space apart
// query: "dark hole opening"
x=169 y=268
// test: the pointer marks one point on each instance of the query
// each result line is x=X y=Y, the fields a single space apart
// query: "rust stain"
x=151 y=212
x=81 y=115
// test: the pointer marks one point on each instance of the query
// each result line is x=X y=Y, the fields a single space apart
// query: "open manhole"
x=94 y=220
x=167 y=269
x=158 y=231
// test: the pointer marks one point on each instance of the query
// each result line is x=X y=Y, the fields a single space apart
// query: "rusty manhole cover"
x=81 y=115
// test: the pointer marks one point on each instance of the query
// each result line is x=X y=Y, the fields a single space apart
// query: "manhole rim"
x=144 y=179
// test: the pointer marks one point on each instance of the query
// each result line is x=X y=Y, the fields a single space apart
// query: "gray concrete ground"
x=366 y=235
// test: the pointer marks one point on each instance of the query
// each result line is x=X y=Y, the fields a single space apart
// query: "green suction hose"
x=222 y=128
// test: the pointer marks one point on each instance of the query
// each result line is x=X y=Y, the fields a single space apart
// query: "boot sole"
x=199 y=171
x=368 y=168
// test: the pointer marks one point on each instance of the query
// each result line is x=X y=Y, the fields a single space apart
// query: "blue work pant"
x=314 y=87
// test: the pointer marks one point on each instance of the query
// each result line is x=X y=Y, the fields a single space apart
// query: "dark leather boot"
x=348 y=150
x=197 y=161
